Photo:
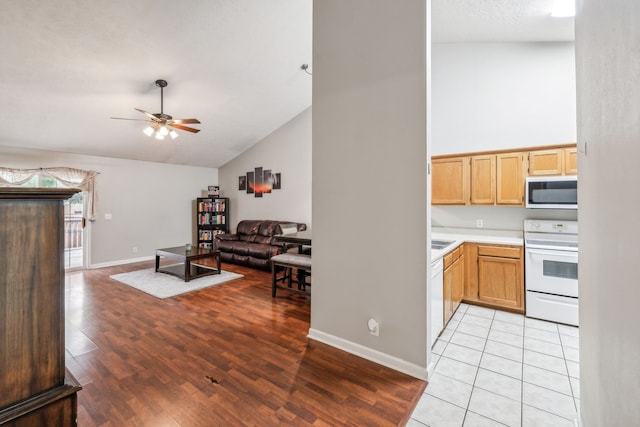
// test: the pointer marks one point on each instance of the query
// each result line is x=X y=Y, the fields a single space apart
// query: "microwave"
x=552 y=192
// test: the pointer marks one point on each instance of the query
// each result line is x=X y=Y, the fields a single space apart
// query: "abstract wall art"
x=260 y=181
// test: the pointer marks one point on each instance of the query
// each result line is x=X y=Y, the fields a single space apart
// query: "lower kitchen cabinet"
x=495 y=276
x=453 y=281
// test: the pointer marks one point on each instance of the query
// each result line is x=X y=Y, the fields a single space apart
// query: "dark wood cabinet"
x=35 y=388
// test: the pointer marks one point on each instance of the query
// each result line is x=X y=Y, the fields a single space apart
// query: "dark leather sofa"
x=254 y=243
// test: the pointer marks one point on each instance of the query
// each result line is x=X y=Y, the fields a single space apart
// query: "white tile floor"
x=495 y=368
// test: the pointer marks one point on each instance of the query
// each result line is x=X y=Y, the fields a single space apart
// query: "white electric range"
x=551 y=270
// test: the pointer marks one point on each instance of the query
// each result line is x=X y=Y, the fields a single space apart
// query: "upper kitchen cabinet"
x=558 y=161
x=483 y=180
x=571 y=161
x=450 y=181
x=510 y=185
x=493 y=178
x=497 y=179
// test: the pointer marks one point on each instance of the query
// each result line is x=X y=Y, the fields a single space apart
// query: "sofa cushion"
x=268 y=228
x=235 y=247
x=248 y=227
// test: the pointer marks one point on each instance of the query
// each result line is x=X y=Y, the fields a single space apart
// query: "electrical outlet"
x=374 y=327
x=135 y=249
x=479 y=223
x=108 y=216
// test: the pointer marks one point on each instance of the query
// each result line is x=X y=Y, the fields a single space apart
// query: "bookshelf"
x=212 y=215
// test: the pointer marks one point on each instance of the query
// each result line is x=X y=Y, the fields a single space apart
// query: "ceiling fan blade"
x=183 y=121
x=137 y=120
x=188 y=129
x=151 y=116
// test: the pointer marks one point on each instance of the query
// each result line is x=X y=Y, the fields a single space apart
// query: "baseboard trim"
x=370 y=354
x=121 y=262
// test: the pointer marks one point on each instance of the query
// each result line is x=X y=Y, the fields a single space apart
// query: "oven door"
x=552 y=271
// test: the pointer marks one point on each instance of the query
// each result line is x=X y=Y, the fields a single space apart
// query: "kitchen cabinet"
x=571 y=161
x=483 y=180
x=453 y=282
x=450 y=181
x=554 y=162
x=494 y=276
x=497 y=179
x=510 y=179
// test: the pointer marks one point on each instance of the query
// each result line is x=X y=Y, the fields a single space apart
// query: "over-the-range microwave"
x=552 y=192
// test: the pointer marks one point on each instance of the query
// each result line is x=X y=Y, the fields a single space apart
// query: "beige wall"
x=151 y=203
x=286 y=151
x=370 y=179
x=608 y=66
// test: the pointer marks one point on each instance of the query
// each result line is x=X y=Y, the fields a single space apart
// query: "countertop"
x=459 y=236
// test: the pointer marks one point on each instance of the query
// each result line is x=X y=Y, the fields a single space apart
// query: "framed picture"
x=242 y=183
x=214 y=190
x=268 y=181
x=276 y=181
x=250 y=183
x=259 y=182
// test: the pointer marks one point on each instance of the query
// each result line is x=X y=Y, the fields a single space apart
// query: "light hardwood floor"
x=228 y=355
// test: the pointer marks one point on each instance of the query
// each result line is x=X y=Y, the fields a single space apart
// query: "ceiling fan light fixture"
x=163 y=124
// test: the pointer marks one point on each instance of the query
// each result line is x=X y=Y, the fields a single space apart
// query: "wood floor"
x=229 y=355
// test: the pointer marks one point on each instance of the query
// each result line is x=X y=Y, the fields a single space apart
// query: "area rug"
x=162 y=285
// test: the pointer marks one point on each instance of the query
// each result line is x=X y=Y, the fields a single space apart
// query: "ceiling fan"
x=163 y=124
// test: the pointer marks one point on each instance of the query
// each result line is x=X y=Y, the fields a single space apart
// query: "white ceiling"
x=498 y=21
x=69 y=65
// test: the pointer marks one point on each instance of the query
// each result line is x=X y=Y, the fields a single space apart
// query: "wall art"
x=260 y=181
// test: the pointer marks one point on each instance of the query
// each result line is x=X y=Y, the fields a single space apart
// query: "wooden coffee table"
x=188 y=269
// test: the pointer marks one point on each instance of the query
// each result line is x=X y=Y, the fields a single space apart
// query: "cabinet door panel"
x=483 y=180
x=450 y=181
x=499 y=281
x=470 y=272
x=545 y=162
x=457 y=289
x=447 y=281
x=570 y=161
x=510 y=185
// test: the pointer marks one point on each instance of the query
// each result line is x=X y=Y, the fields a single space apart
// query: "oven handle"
x=564 y=301
x=547 y=251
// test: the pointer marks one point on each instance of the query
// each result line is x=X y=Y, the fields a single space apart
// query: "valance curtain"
x=75 y=178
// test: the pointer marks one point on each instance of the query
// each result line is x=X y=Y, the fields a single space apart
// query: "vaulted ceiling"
x=67 y=66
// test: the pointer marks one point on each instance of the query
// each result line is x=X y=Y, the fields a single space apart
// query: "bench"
x=285 y=263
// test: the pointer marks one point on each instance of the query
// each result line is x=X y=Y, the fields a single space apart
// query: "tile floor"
x=495 y=368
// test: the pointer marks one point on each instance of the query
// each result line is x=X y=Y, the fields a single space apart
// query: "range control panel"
x=550 y=226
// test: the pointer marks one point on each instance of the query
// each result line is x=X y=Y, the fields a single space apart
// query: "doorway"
x=75 y=238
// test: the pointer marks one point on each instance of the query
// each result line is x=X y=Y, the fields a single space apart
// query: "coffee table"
x=188 y=269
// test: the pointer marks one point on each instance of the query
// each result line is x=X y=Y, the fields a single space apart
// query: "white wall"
x=286 y=151
x=492 y=96
x=151 y=203
x=608 y=64
x=494 y=217
x=369 y=179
